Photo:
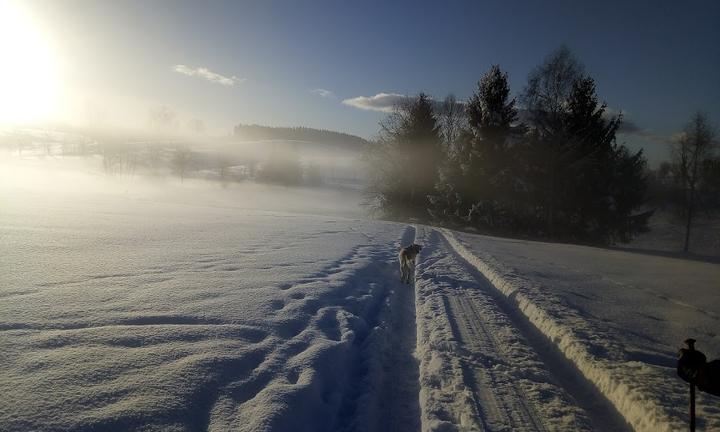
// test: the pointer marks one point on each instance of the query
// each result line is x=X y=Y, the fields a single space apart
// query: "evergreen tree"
x=545 y=97
x=492 y=167
x=600 y=183
x=586 y=186
x=404 y=162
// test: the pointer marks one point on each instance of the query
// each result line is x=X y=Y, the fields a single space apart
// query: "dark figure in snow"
x=693 y=367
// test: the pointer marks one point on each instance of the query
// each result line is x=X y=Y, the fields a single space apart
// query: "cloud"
x=322 y=93
x=629 y=128
x=209 y=75
x=383 y=102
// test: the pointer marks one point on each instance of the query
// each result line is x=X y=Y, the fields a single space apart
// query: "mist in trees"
x=163 y=119
x=404 y=162
x=282 y=167
x=262 y=133
x=181 y=162
x=552 y=170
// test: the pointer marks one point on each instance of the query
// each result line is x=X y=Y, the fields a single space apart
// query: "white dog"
x=407 y=258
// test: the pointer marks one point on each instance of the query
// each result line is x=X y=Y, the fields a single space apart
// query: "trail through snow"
x=484 y=367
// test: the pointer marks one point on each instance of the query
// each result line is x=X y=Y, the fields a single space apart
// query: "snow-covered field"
x=190 y=308
x=667 y=235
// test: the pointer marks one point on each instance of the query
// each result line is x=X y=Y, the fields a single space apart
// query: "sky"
x=337 y=64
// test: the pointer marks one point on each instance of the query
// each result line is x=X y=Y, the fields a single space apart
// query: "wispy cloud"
x=628 y=127
x=387 y=102
x=209 y=75
x=383 y=102
x=631 y=129
x=324 y=93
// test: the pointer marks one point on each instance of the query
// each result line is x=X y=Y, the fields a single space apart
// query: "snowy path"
x=364 y=379
x=483 y=366
x=398 y=408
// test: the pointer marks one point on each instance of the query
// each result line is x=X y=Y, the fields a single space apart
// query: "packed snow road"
x=483 y=367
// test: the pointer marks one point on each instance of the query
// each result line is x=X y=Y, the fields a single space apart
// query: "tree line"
x=544 y=165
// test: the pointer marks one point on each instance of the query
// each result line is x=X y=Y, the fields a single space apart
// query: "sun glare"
x=28 y=72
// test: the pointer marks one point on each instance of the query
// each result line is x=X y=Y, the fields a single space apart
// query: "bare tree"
x=545 y=97
x=224 y=162
x=550 y=84
x=452 y=118
x=23 y=142
x=163 y=118
x=196 y=126
x=181 y=161
x=689 y=155
x=47 y=142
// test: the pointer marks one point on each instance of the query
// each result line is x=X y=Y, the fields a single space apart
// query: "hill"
x=261 y=133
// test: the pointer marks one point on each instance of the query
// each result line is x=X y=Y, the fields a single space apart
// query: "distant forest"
x=322 y=136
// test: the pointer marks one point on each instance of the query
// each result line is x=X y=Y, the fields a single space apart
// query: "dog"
x=407 y=258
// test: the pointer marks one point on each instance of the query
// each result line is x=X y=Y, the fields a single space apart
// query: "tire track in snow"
x=471 y=379
x=504 y=406
x=602 y=413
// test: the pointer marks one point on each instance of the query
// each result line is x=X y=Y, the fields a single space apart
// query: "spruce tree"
x=404 y=162
x=600 y=183
x=545 y=98
x=492 y=168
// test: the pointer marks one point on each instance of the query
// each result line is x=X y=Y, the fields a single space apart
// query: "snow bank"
x=646 y=396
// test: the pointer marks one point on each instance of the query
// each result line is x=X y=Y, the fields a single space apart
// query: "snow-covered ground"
x=128 y=306
x=619 y=317
x=667 y=235
x=121 y=314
